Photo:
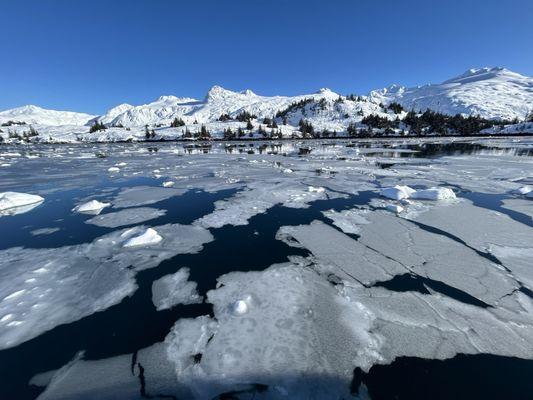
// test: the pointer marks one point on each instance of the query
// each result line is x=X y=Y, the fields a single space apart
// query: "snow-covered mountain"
x=488 y=92
x=217 y=102
x=36 y=115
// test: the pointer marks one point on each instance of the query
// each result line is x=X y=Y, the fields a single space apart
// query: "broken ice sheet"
x=43 y=288
x=487 y=231
x=301 y=337
x=390 y=246
x=174 y=289
x=258 y=198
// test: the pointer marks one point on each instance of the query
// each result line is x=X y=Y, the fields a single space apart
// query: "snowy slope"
x=36 y=115
x=218 y=101
x=489 y=92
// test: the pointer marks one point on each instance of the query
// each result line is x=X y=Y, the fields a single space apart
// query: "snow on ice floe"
x=397 y=192
x=128 y=216
x=148 y=237
x=12 y=203
x=43 y=288
x=400 y=192
x=91 y=207
x=171 y=290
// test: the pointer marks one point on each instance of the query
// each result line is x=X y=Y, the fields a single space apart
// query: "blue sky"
x=91 y=55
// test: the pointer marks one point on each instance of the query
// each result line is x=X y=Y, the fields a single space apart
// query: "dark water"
x=134 y=323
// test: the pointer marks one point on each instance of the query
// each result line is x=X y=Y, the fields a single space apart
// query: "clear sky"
x=91 y=55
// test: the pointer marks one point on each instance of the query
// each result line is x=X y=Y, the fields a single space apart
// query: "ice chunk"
x=127 y=216
x=318 y=189
x=394 y=208
x=168 y=184
x=147 y=238
x=434 y=194
x=171 y=290
x=523 y=190
x=91 y=207
x=12 y=203
x=397 y=192
x=44 y=231
x=113 y=169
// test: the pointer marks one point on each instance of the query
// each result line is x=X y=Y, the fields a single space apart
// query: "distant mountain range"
x=494 y=93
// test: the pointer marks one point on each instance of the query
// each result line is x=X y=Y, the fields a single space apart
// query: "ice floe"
x=143 y=195
x=171 y=290
x=43 y=288
x=128 y=216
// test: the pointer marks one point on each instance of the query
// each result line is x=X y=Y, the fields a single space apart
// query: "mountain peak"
x=218 y=92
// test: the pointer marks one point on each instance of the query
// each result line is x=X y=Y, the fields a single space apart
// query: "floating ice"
x=340 y=254
x=168 y=184
x=128 y=216
x=397 y=192
x=171 y=290
x=12 y=203
x=259 y=197
x=91 y=207
x=44 y=231
x=394 y=208
x=147 y=238
x=113 y=169
x=143 y=195
x=523 y=190
x=43 y=288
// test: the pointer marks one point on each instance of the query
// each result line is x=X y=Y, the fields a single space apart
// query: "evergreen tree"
x=97 y=126
x=249 y=125
x=177 y=122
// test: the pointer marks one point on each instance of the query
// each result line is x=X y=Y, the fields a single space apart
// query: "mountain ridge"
x=490 y=92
